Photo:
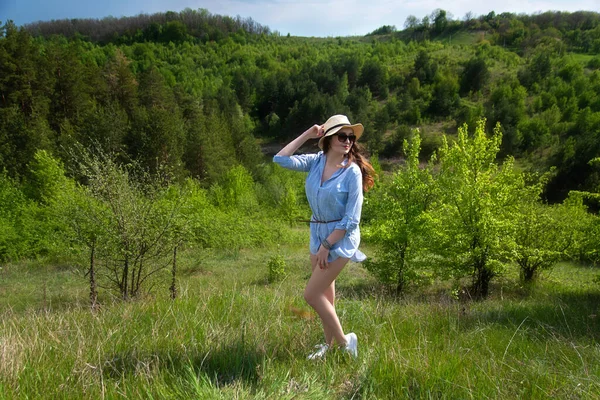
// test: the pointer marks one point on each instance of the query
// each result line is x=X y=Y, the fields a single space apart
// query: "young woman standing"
x=334 y=186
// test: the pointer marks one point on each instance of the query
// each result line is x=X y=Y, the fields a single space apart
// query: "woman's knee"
x=310 y=296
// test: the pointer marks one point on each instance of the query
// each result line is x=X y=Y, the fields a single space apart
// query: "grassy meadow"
x=232 y=334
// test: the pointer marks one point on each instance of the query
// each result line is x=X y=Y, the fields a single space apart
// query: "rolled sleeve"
x=353 y=210
x=302 y=162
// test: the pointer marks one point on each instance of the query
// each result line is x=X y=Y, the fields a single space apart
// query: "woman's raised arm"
x=314 y=132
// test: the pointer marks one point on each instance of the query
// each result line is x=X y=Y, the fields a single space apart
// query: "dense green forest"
x=201 y=100
x=159 y=88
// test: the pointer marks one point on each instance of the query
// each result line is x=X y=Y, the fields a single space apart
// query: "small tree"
x=235 y=190
x=276 y=267
x=46 y=178
x=579 y=229
x=478 y=198
x=88 y=219
x=138 y=222
x=586 y=247
x=401 y=225
x=445 y=99
x=45 y=185
x=15 y=218
x=543 y=233
x=585 y=230
x=288 y=205
x=475 y=75
x=535 y=239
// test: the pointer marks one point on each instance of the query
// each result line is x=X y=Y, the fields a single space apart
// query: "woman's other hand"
x=322 y=256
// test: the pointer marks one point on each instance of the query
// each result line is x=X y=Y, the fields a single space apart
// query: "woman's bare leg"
x=314 y=294
x=329 y=295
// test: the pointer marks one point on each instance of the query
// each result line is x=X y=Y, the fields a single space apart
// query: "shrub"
x=132 y=217
x=478 y=196
x=236 y=190
x=400 y=220
x=276 y=268
x=28 y=223
x=594 y=63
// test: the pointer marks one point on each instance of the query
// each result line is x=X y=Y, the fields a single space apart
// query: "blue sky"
x=297 y=17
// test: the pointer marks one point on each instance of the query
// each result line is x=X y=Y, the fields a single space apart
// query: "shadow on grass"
x=263 y=281
x=229 y=364
x=223 y=366
x=571 y=315
x=362 y=291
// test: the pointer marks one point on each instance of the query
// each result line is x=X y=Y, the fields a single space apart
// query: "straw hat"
x=337 y=122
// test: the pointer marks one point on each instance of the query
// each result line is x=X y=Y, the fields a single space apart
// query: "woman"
x=336 y=179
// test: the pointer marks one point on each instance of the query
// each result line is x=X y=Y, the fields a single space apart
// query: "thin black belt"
x=316 y=221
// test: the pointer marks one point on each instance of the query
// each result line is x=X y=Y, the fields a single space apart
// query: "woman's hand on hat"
x=321 y=131
x=314 y=132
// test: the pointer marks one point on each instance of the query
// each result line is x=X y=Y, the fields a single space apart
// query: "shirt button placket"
x=318 y=216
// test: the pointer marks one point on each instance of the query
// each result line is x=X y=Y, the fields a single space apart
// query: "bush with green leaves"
x=46 y=178
x=14 y=206
x=47 y=185
x=288 y=205
x=282 y=192
x=229 y=229
x=545 y=234
x=235 y=190
x=29 y=213
x=594 y=63
x=401 y=224
x=585 y=227
x=277 y=268
x=537 y=237
x=478 y=198
x=130 y=220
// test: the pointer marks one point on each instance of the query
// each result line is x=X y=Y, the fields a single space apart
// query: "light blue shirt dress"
x=338 y=198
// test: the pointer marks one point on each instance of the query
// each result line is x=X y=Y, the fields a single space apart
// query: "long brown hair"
x=355 y=156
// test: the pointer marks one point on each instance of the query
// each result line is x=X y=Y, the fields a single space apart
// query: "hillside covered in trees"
x=197 y=92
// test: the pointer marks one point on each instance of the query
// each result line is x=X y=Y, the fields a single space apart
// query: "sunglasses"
x=341 y=137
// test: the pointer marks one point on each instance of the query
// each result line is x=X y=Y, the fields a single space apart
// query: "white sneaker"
x=352 y=345
x=320 y=353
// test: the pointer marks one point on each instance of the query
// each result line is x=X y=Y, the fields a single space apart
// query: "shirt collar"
x=343 y=163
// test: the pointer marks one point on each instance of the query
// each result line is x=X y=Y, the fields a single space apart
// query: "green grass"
x=466 y=38
x=231 y=334
x=582 y=58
